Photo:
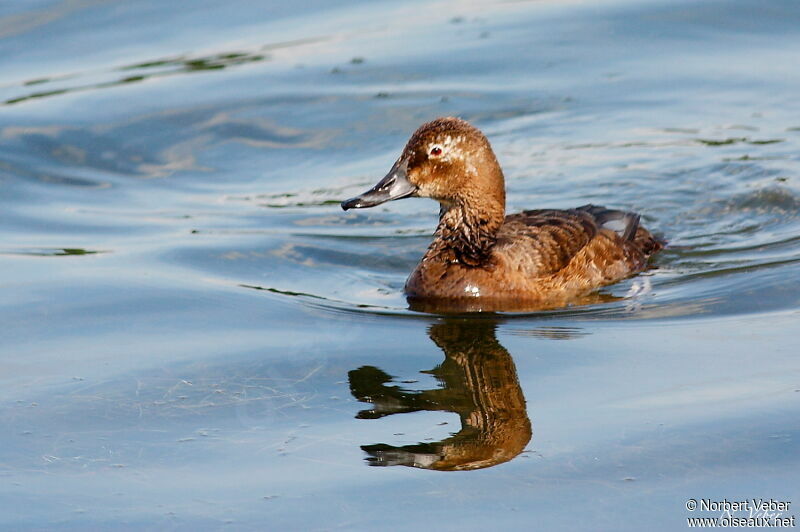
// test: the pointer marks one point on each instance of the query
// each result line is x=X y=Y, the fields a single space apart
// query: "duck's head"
x=446 y=159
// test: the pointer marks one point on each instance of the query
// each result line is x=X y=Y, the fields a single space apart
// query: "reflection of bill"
x=479 y=383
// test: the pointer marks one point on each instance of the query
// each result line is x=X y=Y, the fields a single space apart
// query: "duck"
x=482 y=259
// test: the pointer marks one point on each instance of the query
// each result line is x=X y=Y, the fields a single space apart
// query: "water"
x=189 y=319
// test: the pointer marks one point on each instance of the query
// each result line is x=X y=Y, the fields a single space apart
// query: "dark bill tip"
x=394 y=186
x=353 y=203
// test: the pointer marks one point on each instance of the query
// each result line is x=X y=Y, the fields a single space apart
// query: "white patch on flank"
x=472 y=290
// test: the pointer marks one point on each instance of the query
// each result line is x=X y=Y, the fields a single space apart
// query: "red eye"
x=436 y=151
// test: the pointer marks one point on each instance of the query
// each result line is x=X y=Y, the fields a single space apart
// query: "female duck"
x=541 y=258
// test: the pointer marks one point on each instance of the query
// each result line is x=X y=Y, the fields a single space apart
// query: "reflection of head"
x=479 y=383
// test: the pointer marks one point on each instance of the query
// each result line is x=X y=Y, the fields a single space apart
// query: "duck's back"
x=544 y=256
x=586 y=246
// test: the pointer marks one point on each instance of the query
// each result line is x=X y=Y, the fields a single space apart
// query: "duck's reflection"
x=479 y=383
x=487 y=304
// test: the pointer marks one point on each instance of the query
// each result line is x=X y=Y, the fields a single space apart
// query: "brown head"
x=448 y=160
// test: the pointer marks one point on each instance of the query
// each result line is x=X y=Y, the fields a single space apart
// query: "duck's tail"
x=645 y=241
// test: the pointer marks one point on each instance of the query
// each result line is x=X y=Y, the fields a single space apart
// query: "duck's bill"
x=394 y=186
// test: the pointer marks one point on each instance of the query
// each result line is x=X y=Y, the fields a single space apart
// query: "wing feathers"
x=556 y=236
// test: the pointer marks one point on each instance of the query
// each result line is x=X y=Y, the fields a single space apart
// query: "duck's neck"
x=467 y=233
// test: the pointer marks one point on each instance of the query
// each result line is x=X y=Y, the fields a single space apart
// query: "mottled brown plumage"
x=481 y=259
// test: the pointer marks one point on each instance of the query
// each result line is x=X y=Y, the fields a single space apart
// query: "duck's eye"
x=436 y=151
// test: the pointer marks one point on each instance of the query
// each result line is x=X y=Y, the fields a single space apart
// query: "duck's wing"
x=548 y=239
x=627 y=226
x=623 y=223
